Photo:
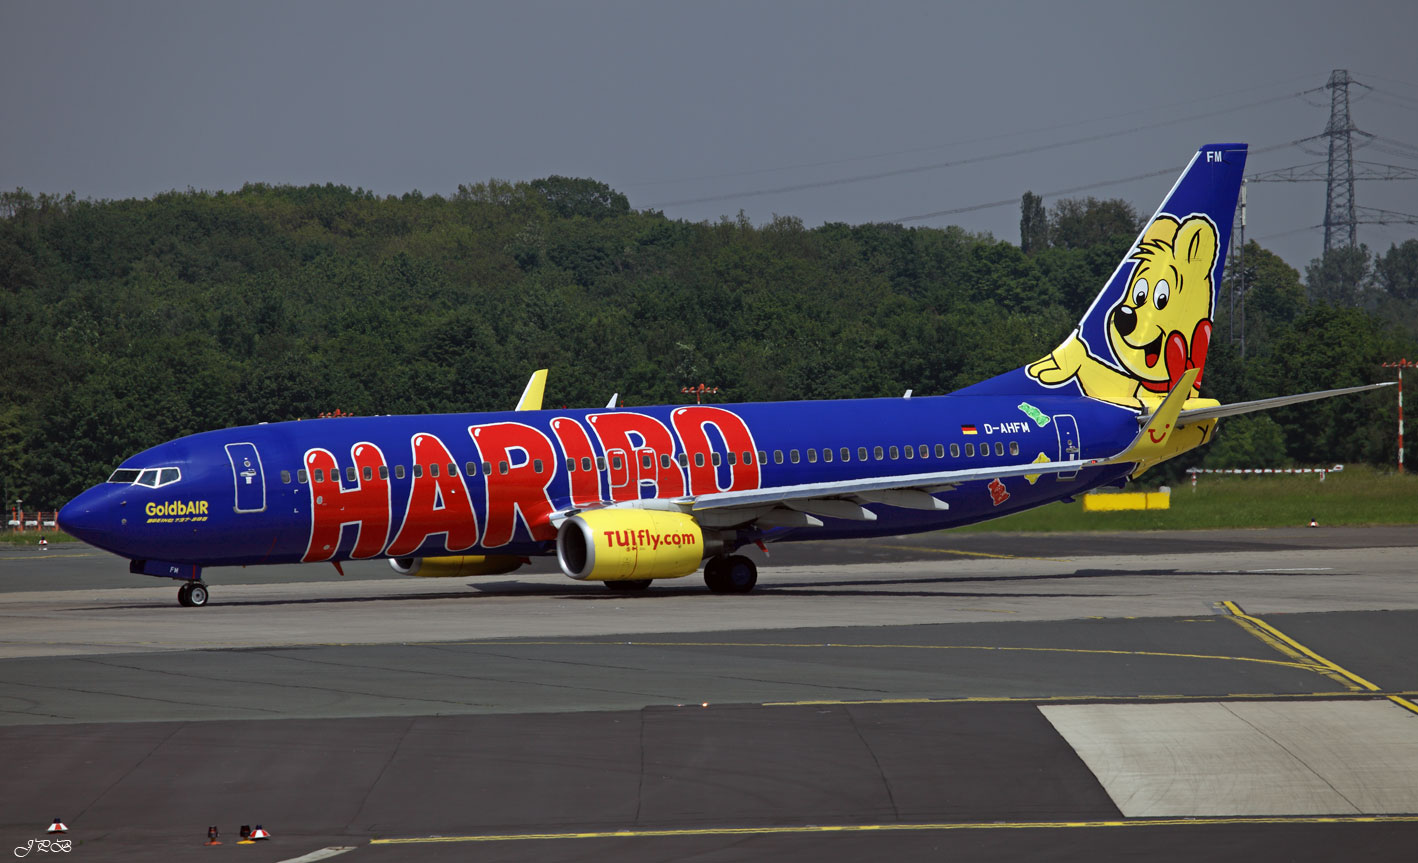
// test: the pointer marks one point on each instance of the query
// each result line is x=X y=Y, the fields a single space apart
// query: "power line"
x=955 y=163
x=965 y=142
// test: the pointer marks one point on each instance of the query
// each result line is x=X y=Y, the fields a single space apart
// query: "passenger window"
x=762 y=457
x=383 y=472
x=502 y=468
x=433 y=469
x=616 y=463
x=925 y=451
x=664 y=460
x=910 y=452
x=585 y=462
x=862 y=453
x=452 y=469
x=319 y=474
x=777 y=456
x=794 y=457
x=369 y=473
x=350 y=475
x=846 y=453
x=699 y=459
x=536 y=465
x=895 y=454
x=301 y=476
x=285 y=477
x=1014 y=447
x=418 y=471
x=940 y=450
x=647 y=461
x=733 y=458
x=877 y=451
x=169 y=475
x=827 y=453
x=600 y=462
x=684 y=460
x=487 y=468
x=969 y=450
x=716 y=459
x=955 y=450
x=984 y=450
x=812 y=456
x=398 y=471
x=999 y=448
x=571 y=465
x=471 y=468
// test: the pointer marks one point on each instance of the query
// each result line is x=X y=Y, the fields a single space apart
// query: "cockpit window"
x=153 y=477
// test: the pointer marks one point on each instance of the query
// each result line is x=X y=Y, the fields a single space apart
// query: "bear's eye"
x=1139 y=292
x=1159 y=299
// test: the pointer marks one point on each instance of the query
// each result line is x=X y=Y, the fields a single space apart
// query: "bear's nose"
x=1124 y=319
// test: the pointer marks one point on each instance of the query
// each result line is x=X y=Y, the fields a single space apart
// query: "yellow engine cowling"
x=456 y=565
x=629 y=545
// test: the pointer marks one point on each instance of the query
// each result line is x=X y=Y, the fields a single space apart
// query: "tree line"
x=127 y=323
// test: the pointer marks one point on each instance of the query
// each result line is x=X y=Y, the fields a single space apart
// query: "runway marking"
x=969 y=553
x=897 y=828
x=1290 y=647
x=322 y=854
x=1108 y=699
x=1301 y=663
x=49 y=556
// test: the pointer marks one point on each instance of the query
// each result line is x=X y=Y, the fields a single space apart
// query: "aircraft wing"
x=844 y=498
x=1196 y=415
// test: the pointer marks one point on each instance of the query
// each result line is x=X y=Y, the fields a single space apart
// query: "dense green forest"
x=127 y=323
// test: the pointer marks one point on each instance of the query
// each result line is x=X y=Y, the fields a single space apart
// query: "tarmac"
x=1227 y=694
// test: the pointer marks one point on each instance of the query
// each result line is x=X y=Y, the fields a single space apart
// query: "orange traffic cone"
x=57 y=827
x=259 y=833
x=212 y=836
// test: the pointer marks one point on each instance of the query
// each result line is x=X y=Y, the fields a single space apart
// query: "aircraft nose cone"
x=90 y=517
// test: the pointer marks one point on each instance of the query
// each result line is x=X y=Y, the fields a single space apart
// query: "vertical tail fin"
x=1152 y=321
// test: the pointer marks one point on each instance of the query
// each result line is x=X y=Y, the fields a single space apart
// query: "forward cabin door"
x=1070 y=447
x=250 y=479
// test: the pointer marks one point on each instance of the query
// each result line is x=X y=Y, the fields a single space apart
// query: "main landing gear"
x=193 y=594
x=733 y=573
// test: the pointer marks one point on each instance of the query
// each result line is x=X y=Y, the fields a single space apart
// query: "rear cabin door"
x=250 y=479
x=1070 y=448
x=619 y=473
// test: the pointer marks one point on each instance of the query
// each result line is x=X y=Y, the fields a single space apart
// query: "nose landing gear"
x=193 y=594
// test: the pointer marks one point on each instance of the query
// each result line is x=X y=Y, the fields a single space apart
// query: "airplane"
x=628 y=496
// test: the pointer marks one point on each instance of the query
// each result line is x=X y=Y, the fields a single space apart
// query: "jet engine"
x=457 y=565
x=630 y=545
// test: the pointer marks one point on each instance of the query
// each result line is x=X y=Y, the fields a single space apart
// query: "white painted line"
x=322 y=854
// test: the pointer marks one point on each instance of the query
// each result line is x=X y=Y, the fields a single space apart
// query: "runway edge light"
x=259 y=833
x=57 y=827
x=212 y=836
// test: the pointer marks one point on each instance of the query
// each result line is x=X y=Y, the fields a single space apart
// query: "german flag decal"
x=968 y=430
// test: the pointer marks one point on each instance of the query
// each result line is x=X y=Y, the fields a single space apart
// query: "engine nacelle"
x=629 y=545
x=457 y=565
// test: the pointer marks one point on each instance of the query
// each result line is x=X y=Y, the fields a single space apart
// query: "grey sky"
x=673 y=102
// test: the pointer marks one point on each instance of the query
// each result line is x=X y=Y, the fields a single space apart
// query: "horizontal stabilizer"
x=1196 y=415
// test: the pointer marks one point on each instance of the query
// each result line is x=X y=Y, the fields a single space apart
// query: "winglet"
x=1153 y=443
x=531 y=399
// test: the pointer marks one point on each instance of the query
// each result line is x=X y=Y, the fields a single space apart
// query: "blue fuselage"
x=405 y=486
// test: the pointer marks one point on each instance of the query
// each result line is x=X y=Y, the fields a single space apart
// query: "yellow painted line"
x=899 y=828
x=1055 y=699
x=1353 y=680
x=1403 y=702
x=967 y=553
x=1308 y=666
